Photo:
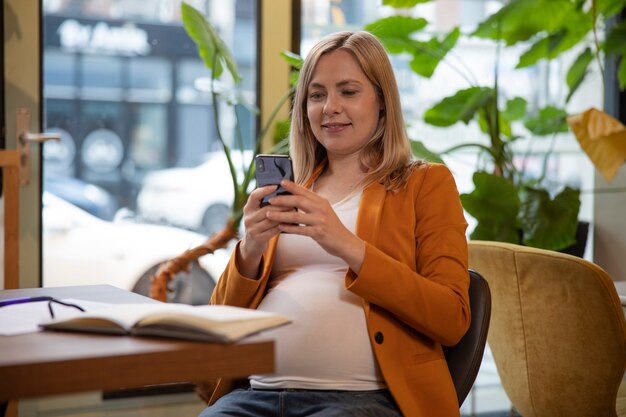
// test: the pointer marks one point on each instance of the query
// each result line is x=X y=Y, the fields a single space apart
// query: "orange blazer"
x=414 y=284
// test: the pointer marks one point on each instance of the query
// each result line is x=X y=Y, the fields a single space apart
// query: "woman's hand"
x=259 y=229
x=314 y=217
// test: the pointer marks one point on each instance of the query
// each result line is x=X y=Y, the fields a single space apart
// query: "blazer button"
x=378 y=337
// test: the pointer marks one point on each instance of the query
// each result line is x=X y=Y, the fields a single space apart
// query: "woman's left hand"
x=314 y=217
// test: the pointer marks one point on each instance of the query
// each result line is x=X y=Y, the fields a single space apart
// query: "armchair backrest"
x=557 y=334
x=465 y=357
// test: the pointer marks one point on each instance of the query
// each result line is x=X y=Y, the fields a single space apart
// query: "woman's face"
x=342 y=105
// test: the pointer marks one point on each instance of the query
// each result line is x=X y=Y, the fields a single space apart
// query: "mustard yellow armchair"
x=557 y=332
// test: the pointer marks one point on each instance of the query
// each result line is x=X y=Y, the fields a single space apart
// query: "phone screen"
x=271 y=170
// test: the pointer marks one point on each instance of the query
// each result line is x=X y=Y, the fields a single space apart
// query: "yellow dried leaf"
x=603 y=138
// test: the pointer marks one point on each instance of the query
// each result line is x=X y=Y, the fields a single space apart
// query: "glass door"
x=139 y=175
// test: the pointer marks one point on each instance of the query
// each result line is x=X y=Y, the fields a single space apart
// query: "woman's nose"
x=332 y=105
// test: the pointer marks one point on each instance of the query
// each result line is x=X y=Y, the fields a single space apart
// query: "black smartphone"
x=271 y=170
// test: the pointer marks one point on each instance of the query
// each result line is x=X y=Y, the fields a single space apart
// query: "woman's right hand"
x=258 y=231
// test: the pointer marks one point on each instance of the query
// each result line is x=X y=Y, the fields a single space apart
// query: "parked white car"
x=197 y=198
x=81 y=249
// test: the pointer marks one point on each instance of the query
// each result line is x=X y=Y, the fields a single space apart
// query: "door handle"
x=24 y=139
x=39 y=137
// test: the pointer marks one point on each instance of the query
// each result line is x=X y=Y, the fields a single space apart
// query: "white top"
x=326 y=346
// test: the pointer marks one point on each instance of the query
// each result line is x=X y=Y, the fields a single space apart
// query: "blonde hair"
x=387 y=155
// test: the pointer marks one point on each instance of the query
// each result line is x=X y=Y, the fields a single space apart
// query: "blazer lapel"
x=368 y=219
x=370 y=211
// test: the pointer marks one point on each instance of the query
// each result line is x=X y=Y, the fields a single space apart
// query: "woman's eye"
x=316 y=96
x=349 y=93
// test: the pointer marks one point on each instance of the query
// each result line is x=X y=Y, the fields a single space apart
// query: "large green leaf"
x=550 y=47
x=295 y=61
x=281 y=130
x=616 y=44
x=460 y=107
x=515 y=109
x=494 y=204
x=199 y=31
x=395 y=32
x=211 y=48
x=621 y=74
x=549 y=223
x=521 y=20
x=609 y=8
x=616 y=39
x=550 y=120
x=542 y=48
x=403 y=4
x=292 y=59
x=577 y=72
x=420 y=151
x=427 y=55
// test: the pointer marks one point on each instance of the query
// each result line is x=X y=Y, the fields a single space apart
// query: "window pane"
x=194 y=126
x=60 y=157
x=127 y=91
x=150 y=80
x=101 y=78
x=59 y=74
x=148 y=138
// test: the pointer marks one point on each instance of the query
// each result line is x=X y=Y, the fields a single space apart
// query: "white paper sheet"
x=25 y=318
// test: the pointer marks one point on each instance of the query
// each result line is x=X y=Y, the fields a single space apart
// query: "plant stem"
x=240 y=144
x=473 y=81
x=233 y=172
x=596 y=41
x=546 y=157
x=467 y=145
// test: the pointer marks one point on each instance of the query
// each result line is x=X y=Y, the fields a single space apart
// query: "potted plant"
x=223 y=68
x=507 y=203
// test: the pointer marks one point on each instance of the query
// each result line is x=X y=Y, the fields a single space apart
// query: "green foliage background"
x=506 y=204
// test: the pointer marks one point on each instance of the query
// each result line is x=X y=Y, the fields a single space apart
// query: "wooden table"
x=51 y=363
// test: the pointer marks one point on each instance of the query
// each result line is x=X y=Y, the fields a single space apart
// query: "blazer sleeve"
x=430 y=294
x=235 y=289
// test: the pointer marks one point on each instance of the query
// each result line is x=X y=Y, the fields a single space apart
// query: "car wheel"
x=214 y=218
x=194 y=287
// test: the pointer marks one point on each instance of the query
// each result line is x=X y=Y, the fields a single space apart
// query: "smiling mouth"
x=332 y=126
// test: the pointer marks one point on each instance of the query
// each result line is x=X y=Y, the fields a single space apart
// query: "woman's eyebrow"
x=339 y=84
x=346 y=82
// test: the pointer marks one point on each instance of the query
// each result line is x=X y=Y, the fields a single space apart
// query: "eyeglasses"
x=50 y=300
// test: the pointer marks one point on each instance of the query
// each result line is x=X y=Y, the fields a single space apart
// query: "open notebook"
x=213 y=323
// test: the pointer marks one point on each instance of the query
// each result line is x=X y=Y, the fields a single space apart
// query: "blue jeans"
x=248 y=402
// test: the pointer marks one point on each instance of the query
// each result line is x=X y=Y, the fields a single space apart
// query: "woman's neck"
x=341 y=179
